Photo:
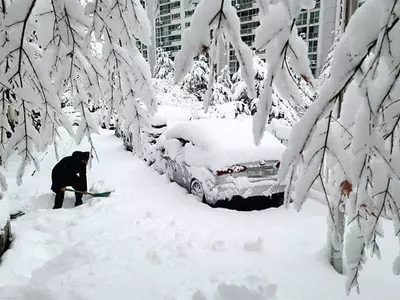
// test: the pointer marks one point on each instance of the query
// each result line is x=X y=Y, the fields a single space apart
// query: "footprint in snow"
x=219 y=246
x=255 y=246
x=198 y=295
x=154 y=257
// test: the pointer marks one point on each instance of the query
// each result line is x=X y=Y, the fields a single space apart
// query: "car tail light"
x=234 y=169
x=278 y=164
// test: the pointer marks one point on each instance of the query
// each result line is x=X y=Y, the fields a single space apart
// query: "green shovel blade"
x=105 y=194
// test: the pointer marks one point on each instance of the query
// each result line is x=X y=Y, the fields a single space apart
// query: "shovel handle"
x=79 y=192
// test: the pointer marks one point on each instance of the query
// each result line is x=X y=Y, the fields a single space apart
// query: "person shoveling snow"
x=70 y=171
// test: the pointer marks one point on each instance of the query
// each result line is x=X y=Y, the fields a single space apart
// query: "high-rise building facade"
x=316 y=26
x=173 y=19
x=308 y=27
x=248 y=13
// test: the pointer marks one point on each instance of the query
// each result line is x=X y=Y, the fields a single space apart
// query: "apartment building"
x=248 y=13
x=173 y=19
x=308 y=27
x=315 y=26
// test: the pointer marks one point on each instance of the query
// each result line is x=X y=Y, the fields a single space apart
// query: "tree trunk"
x=336 y=251
x=5 y=235
x=151 y=48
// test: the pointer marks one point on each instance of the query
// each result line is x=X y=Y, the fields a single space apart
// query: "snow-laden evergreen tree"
x=196 y=81
x=164 y=68
x=219 y=17
x=83 y=48
x=281 y=108
x=225 y=78
x=221 y=92
x=286 y=56
x=356 y=135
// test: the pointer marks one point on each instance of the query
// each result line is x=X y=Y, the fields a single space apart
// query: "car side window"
x=184 y=142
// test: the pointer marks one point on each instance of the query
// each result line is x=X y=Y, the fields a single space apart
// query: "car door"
x=172 y=155
x=179 y=166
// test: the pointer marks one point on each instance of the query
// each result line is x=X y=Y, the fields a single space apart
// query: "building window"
x=312 y=32
x=314 y=72
x=243 y=4
x=247 y=15
x=188 y=13
x=302 y=32
x=312 y=46
x=248 y=27
x=187 y=24
x=314 y=17
x=248 y=39
x=176 y=16
x=302 y=19
x=313 y=60
x=233 y=66
x=318 y=4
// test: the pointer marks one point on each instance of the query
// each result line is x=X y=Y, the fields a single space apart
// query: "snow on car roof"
x=223 y=142
x=169 y=113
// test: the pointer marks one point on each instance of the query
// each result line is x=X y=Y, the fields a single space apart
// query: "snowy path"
x=151 y=240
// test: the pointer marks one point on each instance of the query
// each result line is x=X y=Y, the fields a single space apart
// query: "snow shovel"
x=103 y=195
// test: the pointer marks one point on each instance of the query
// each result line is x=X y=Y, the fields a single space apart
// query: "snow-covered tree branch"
x=352 y=130
x=85 y=49
x=164 y=68
x=219 y=17
x=286 y=56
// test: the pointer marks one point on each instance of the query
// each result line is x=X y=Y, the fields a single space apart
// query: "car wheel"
x=196 y=189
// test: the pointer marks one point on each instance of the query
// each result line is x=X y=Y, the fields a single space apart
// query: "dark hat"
x=81 y=155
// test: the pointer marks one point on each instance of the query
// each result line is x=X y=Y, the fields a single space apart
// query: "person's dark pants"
x=77 y=185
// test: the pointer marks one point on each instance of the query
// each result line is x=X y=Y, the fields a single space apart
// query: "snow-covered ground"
x=151 y=240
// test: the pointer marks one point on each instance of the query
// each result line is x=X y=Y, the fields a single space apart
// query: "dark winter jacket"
x=70 y=171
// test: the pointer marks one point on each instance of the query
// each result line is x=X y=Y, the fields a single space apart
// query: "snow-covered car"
x=165 y=116
x=217 y=160
x=111 y=124
x=103 y=115
x=73 y=115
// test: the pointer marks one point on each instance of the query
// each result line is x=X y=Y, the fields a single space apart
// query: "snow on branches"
x=281 y=108
x=219 y=17
x=116 y=24
x=222 y=88
x=85 y=49
x=196 y=82
x=164 y=68
x=286 y=55
x=349 y=136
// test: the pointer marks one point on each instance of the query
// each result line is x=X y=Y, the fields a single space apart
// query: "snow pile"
x=170 y=114
x=249 y=288
x=155 y=241
x=219 y=143
x=100 y=187
x=279 y=130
